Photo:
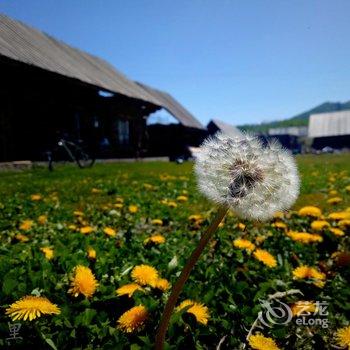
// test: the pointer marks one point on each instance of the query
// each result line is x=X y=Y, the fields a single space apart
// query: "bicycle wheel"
x=83 y=159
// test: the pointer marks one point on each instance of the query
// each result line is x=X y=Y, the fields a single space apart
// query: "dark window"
x=123 y=132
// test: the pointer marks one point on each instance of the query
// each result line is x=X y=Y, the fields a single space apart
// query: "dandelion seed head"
x=254 y=180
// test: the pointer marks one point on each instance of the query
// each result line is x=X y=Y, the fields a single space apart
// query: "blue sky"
x=239 y=61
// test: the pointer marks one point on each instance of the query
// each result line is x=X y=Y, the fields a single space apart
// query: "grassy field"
x=131 y=214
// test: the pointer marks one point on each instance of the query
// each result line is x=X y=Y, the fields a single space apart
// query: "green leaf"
x=49 y=341
x=8 y=285
x=135 y=347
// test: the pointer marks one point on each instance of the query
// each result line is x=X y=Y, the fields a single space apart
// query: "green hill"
x=298 y=120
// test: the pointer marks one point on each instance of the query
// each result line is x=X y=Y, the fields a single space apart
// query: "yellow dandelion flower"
x=165 y=177
x=332 y=179
x=85 y=230
x=337 y=231
x=319 y=225
x=31 y=307
x=195 y=218
x=133 y=209
x=72 y=227
x=171 y=204
x=304 y=237
x=162 y=284
x=48 y=252
x=241 y=226
x=54 y=198
x=91 y=253
x=128 y=289
x=148 y=186
x=198 y=310
x=333 y=192
x=78 y=213
x=133 y=319
x=96 y=190
x=119 y=200
x=36 y=197
x=109 y=231
x=344 y=223
x=21 y=238
x=310 y=211
x=83 y=282
x=259 y=342
x=260 y=239
x=118 y=205
x=335 y=254
x=334 y=200
x=343 y=337
x=145 y=275
x=347 y=188
x=26 y=225
x=307 y=272
x=241 y=243
x=279 y=224
x=156 y=239
x=265 y=257
x=182 y=198
x=157 y=222
x=339 y=215
x=278 y=215
x=303 y=307
x=42 y=219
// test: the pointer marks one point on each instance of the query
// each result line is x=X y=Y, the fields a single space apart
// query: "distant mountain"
x=298 y=120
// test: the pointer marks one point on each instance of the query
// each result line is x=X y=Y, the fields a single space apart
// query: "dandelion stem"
x=170 y=305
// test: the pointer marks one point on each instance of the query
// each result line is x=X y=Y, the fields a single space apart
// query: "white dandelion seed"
x=241 y=173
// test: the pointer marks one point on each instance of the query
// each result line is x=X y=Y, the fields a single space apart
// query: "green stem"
x=170 y=305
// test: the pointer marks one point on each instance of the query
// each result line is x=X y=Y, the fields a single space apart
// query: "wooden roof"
x=173 y=107
x=25 y=44
x=226 y=128
x=33 y=47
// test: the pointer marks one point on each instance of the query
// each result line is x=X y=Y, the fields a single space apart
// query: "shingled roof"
x=30 y=46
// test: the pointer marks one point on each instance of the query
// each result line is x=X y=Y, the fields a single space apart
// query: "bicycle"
x=75 y=151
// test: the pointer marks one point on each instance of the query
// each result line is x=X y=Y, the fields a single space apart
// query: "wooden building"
x=49 y=89
x=291 y=137
x=330 y=130
x=174 y=140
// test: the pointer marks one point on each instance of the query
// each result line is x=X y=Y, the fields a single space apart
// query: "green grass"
x=229 y=281
x=314 y=172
